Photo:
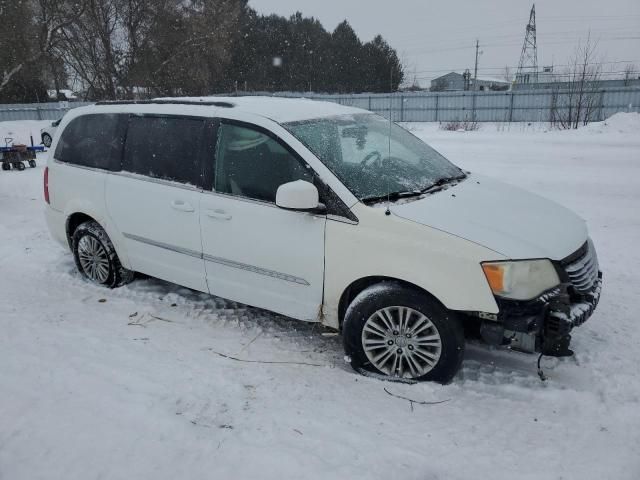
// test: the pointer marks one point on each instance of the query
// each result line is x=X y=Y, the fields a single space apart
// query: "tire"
x=46 y=140
x=428 y=343
x=19 y=165
x=6 y=166
x=96 y=258
x=32 y=163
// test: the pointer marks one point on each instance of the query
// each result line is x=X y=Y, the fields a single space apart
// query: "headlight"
x=520 y=280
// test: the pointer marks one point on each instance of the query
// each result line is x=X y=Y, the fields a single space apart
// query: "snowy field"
x=125 y=384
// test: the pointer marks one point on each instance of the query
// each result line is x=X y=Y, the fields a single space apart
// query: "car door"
x=154 y=201
x=255 y=252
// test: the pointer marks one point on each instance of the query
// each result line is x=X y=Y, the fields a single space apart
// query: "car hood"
x=501 y=217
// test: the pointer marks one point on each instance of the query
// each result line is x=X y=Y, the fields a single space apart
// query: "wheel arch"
x=73 y=220
x=359 y=285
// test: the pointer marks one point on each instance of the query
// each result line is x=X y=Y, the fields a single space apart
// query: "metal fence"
x=37 y=111
x=511 y=106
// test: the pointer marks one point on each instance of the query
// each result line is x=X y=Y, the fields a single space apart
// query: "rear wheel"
x=46 y=140
x=6 y=166
x=96 y=258
x=19 y=165
x=401 y=332
x=32 y=163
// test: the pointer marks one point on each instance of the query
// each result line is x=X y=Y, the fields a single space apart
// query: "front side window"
x=93 y=141
x=167 y=148
x=252 y=164
x=373 y=158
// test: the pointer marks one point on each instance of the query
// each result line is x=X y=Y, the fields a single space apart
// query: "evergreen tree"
x=347 y=60
x=383 y=71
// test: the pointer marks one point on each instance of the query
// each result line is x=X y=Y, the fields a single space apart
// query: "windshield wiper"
x=434 y=187
x=392 y=196
x=441 y=182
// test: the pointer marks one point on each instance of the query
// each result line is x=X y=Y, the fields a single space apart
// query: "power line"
x=456 y=39
x=515 y=66
x=554 y=41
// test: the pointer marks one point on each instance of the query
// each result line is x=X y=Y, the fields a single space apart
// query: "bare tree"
x=576 y=99
x=51 y=17
x=105 y=47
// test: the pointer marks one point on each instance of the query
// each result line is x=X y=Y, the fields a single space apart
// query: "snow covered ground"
x=21 y=131
x=125 y=384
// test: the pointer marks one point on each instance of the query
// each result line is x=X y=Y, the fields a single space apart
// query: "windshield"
x=356 y=149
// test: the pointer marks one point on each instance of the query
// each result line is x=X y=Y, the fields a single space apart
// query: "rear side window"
x=93 y=141
x=168 y=148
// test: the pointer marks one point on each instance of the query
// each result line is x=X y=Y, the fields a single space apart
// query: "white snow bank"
x=621 y=123
x=625 y=123
x=20 y=131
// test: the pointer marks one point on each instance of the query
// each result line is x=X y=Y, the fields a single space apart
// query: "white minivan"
x=323 y=213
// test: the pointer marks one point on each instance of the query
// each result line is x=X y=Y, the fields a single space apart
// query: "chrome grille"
x=583 y=271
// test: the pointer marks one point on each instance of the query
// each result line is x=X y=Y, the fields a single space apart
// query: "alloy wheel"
x=401 y=342
x=93 y=259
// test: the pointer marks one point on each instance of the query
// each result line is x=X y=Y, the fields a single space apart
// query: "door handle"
x=219 y=214
x=182 y=206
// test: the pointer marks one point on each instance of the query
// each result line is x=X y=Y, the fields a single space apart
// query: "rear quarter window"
x=167 y=148
x=93 y=141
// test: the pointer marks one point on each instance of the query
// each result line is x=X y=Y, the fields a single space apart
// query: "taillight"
x=46 y=184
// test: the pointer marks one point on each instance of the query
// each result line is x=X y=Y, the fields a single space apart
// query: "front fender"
x=446 y=266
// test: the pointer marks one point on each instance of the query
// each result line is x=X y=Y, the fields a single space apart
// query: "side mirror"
x=299 y=195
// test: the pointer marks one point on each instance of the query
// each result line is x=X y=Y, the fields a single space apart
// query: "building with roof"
x=454 y=81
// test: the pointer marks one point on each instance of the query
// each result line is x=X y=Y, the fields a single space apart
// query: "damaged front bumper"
x=544 y=324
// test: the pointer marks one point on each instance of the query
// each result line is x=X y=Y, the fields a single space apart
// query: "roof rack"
x=167 y=102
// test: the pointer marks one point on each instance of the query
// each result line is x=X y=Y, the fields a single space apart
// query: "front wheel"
x=401 y=332
x=96 y=257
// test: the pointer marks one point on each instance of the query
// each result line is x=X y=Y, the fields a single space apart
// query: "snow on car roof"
x=281 y=110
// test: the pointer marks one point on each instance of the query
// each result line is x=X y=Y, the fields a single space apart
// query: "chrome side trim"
x=254 y=269
x=184 y=251
x=222 y=261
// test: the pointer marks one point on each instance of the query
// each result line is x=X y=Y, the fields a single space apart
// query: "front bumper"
x=544 y=324
x=567 y=314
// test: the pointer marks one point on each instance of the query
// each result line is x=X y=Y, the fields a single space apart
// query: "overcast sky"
x=434 y=38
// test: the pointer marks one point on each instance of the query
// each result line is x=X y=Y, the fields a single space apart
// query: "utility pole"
x=475 y=70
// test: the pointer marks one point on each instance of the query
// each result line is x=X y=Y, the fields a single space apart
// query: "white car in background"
x=47 y=133
x=323 y=213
